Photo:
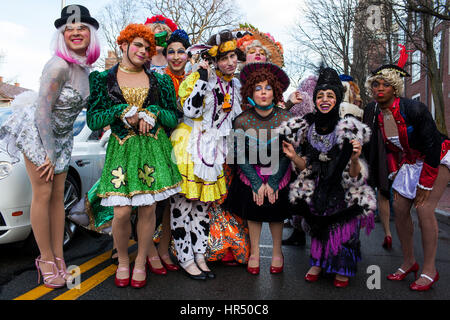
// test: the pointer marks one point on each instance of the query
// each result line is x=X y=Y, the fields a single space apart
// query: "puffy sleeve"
x=166 y=112
x=101 y=112
x=192 y=93
x=54 y=76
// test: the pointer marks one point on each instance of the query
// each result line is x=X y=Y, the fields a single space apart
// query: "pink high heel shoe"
x=62 y=269
x=48 y=277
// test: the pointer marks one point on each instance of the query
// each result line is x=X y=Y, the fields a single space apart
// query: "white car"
x=86 y=166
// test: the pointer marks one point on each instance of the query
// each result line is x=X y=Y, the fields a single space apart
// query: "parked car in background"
x=85 y=169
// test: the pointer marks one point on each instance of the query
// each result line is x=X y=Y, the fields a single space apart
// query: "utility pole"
x=63 y=4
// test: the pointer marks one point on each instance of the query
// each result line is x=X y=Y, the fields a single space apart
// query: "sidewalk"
x=443 y=206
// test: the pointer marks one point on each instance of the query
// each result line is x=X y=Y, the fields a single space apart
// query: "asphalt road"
x=18 y=277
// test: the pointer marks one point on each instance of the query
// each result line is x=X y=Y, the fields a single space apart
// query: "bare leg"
x=163 y=247
x=428 y=224
x=58 y=214
x=276 y=229
x=405 y=230
x=384 y=212
x=40 y=218
x=121 y=230
x=145 y=230
x=254 y=228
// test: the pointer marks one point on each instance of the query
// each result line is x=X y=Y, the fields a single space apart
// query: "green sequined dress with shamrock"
x=138 y=168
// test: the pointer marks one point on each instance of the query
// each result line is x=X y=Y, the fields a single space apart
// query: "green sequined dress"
x=138 y=168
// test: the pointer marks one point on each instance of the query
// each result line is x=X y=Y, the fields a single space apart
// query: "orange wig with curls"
x=136 y=30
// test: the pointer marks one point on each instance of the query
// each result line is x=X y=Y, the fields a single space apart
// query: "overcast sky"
x=26 y=30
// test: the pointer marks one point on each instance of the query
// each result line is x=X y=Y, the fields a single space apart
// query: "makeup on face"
x=382 y=91
x=256 y=54
x=138 y=52
x=228 y=64
x=263 y=94
x=176 y=56
x=77 y=37
x=325 y=100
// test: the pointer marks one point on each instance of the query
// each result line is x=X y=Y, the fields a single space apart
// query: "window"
x=415 y=67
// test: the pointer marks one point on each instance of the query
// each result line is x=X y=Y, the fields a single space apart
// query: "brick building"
x=418 y=85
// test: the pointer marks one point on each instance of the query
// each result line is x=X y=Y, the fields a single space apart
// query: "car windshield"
x=4 y=114
x=79 y=124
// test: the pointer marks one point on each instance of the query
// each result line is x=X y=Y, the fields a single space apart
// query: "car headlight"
x=5 y=169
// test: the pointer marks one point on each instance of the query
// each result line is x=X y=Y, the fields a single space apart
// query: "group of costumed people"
x=218 y=152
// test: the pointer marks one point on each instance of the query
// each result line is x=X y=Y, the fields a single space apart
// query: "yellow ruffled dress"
x=193 y=187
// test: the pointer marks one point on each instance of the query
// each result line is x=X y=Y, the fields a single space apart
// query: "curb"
x=442 y=213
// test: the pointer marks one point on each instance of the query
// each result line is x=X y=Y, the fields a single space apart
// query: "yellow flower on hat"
x=228 y=46
x=213 y=51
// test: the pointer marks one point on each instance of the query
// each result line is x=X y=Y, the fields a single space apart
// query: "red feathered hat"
x=161 y=19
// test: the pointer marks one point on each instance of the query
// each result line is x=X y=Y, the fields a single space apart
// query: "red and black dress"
x=413 y=156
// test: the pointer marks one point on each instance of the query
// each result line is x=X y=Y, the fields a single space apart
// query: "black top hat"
x=75 y=13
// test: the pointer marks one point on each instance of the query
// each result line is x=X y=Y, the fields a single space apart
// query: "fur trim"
x=294 y=130
x=352 y=129
x=364 y=196
x=361 y=179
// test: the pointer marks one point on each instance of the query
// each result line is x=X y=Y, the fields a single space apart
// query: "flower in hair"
x=161 y=19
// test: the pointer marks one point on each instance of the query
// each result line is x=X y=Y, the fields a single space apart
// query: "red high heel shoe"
x=275 y=270
x=139 y=283
x=122 y=283
x=170 y=267
x=161 y=271
x=341 y=283
x=387 y=244
x=255 y=270
x=403 y=274
x=312 y=277
x=416 y=287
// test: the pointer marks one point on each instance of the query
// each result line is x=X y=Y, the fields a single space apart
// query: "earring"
x=250 y=100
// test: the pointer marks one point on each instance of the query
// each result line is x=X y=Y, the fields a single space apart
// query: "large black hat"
x=329 y=79
x=75 y=13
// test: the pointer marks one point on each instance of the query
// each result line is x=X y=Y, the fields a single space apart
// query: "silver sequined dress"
x=42 y=124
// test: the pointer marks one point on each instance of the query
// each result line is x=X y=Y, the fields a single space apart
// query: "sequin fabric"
x=19 y=134
x=42 y=124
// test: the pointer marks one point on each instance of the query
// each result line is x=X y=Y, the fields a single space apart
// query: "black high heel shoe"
x=201 y=276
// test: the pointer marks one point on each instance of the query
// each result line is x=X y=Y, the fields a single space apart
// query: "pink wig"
x=60 y=48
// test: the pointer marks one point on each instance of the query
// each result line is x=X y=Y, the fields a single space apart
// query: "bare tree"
x=338 y=33
x=420 y=21
x=199 y=18
x=113 y=18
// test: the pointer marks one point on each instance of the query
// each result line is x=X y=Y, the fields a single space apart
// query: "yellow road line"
x=92 y=282
x=40 y=291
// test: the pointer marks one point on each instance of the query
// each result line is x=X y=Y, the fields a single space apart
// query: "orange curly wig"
x=136 y=30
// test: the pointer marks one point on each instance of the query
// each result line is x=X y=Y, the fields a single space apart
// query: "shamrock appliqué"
x=120 y=178
x=146 y=175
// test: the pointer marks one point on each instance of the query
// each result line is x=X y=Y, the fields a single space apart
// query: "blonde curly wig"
x=390 y=76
